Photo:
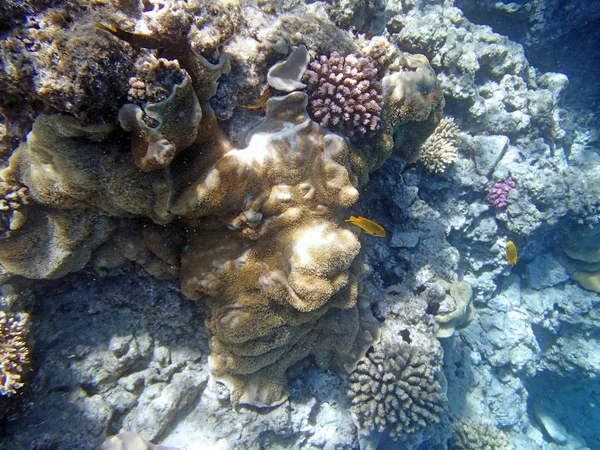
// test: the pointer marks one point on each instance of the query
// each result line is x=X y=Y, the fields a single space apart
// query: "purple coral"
x=498 y=193
x=345 y=94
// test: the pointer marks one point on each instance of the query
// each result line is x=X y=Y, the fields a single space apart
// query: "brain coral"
x=400 y=390
x=345 y=94
x=14 y=354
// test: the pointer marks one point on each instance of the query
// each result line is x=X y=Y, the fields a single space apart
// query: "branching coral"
x=345 y=94
x=12 y=200
x=441 y=148
x=14 y=353
x=469 y=435
x=400 y=391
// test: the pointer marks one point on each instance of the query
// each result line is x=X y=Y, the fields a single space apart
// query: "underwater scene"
x=299 y=224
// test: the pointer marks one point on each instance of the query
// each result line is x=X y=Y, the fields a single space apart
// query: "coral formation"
x=13 y=198
x=580 y=255
x=173 y=126
x=498 y=192
x=285 y=76
x=468 y=435
x=400 y=390
x=441 y=148
x=345 y=94
x=14 y=353
x=449 y=320
x=413 y=104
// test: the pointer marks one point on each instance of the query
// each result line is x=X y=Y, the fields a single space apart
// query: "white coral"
x=14 y=354
x=441 y=148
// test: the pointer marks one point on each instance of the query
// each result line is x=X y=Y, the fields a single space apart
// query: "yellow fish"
x=511 y=253
x=368 y=226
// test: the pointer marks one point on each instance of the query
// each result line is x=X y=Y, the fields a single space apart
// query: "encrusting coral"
x=398 y=390
x=14 y=353
x=266 y=247
x=441 y=148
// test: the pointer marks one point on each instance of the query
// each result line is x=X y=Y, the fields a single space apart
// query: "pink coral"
x=345 y=94
x=498 y=192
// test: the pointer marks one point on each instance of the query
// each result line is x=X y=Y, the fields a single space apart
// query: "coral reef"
x=413 y=104
x=266 y=248
x=345 y=94
x=14 y=352
x=400 y=391
x=498 y=192
x=441 y=148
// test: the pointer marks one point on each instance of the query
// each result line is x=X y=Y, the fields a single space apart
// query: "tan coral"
x=412 y=109
x=580 y=255
x=461 y=293
x=175 y=126
x=69 y=166
x=14 y=353
x=441 y=148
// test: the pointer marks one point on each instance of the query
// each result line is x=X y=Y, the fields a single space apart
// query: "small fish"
x=135 y=39
x=511 y=253
x=262 y=100
x=368 y=226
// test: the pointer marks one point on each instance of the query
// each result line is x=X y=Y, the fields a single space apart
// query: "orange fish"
x=368 y=226
x=511 y=253
x=262 y=100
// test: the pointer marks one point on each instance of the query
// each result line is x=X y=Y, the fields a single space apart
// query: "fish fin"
x=110 y=28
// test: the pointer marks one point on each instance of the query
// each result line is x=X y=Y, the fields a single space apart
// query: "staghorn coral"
x=441 y=148
x=12 y=200
x=14 y=354
x=399 y=390
x=345 y=94
x=468 y=435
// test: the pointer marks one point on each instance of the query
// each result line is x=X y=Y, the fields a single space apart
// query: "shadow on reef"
x=564 y=404
x=92 y=330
